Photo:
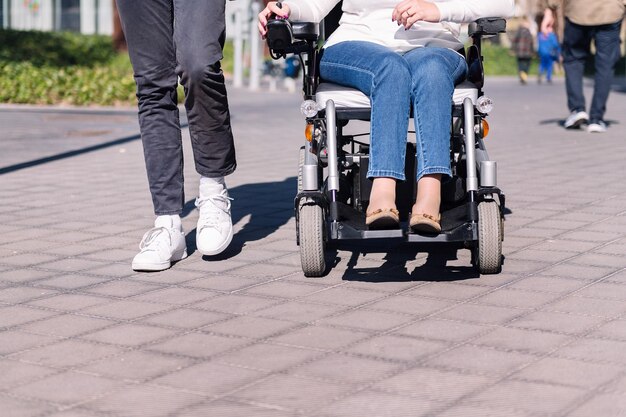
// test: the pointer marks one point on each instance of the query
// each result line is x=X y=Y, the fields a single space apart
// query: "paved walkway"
x=389 y=332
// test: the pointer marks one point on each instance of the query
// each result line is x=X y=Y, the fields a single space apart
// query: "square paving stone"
x=433 y=384
x=343 y=296
x=142 y=401
x=346 y=369
x=70 y=302
x=536 y=398
x=320 y=337
x=198 y=345
x=530 y=341
x=380 y=404
x=67 y=388
x=364 y=319
x=298 y=311
x=556 y=322
x=445 y=330
x=66 y=353
x=392 y=347
x=268 y=357
x=122 y=288
x=250 y=327
x=483 y=360
x=177 y=296
x=125 y=309
x=13 y=373
x=235 y=304
x=222 y=408
x=136 y=365
x=482 y=314
x=66 y=325
x=15 y=315
x=18 y=295
x=289 y=392
x=448 y=291
x=601 y=405
x=12 y=341
x=569 y=372
x=129 y=335
x=415 y=306
x=186 y=318
x=23 y=408
x=596 y=350
x=210 y=378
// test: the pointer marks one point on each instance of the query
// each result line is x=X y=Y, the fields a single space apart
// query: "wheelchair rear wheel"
x=488 y=251
x=312 y=241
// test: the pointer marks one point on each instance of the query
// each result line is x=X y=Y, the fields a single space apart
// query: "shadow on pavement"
x=69 y=154
x=394 y=267
x=269 y=205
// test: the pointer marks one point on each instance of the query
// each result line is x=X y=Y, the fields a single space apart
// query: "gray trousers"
x=168 y=39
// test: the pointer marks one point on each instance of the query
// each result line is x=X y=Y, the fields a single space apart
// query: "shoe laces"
x=211 y=208
x=150 y=240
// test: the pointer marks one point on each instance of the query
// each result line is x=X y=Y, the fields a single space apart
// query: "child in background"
x=523 y=50
x=549 y=51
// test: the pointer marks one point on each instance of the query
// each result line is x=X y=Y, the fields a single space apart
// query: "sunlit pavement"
x=388 y=332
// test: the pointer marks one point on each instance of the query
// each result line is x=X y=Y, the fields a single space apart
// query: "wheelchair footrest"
x=351 y=226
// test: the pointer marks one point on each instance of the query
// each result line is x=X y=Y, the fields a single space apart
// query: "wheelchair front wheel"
x=312 y=240
x=488 y=251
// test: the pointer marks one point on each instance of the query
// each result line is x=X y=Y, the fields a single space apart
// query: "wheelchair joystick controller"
x=279 y=33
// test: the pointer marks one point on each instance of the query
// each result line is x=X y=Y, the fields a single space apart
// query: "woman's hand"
x=271 y=9
x=408 y=12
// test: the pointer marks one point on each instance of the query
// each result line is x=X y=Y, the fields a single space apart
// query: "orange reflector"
x=308 y=132
x=485 y=128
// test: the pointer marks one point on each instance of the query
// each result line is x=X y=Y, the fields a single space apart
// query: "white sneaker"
x=576 y=119
x=597 y=127
x=215 y=227
x=160 y=246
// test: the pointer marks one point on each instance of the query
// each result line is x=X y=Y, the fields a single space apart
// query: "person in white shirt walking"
x=398 y=54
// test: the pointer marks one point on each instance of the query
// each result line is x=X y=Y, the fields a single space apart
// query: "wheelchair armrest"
x=285 y=37
x=487 y=26
x=307 y=31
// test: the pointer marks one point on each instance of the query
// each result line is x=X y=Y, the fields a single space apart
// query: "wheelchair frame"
x=334 y=209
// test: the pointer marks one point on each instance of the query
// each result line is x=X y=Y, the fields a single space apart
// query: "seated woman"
x=398 y=53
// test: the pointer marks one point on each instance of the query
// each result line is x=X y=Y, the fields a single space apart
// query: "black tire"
x=312 y=240
x=488 y=255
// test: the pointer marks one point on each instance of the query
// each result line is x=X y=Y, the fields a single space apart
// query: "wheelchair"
x=333 y=190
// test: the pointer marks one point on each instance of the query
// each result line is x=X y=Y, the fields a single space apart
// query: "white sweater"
x=370 y=20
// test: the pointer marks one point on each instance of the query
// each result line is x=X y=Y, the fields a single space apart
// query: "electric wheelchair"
x=333 y=190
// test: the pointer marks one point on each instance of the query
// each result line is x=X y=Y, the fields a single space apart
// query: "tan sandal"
x=425 y=223
x=388 y=218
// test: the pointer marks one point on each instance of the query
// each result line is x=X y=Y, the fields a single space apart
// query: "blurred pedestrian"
x=168 y=40
x=587 y=20
x=523 y=48
x=549 y=52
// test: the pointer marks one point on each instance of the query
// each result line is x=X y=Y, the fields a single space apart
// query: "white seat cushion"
x=353 y=98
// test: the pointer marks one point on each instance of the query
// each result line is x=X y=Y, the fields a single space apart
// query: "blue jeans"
x=424 y=77
x=576 y=43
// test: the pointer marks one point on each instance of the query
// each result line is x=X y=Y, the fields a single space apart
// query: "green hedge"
x=63 y=68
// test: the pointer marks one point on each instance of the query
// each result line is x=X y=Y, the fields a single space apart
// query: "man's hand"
x=408 y=12
x=547 y=23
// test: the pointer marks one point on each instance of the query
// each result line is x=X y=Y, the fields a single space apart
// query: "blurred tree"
x=119 y=41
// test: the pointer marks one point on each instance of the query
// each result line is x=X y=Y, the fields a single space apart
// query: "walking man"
x=587 y=20
x=168 y=39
